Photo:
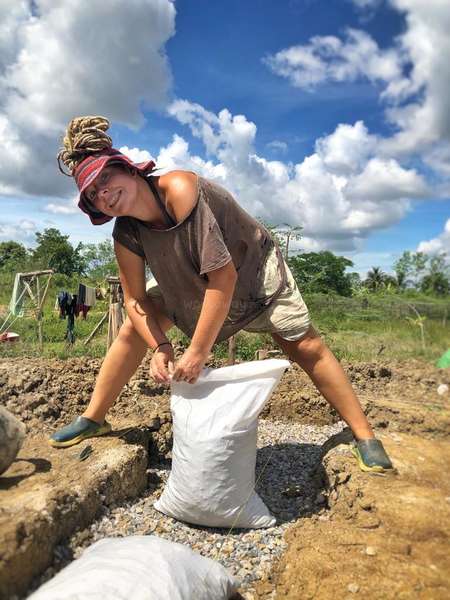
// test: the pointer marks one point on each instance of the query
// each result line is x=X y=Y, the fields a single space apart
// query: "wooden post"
x=39 y=313
x=96 y=328
x=116 y=309
x=231 y=350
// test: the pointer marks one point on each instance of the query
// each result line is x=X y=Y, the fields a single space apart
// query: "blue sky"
x=329 y=114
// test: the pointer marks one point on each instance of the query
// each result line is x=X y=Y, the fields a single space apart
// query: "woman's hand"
x=161 y=364
x=189 y=366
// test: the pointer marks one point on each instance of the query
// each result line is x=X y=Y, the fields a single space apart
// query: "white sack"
x=215 y=424
x=139 y=568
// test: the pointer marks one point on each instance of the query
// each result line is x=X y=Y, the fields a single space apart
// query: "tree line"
x=54 y=251
x=321 y=272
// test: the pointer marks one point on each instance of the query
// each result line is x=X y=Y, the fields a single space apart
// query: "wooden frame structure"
x=115 y=313
x=38 y=296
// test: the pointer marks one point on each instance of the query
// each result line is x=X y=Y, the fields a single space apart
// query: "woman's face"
x=113 y=191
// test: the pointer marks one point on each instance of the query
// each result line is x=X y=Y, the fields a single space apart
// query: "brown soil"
x=383 y=537
x=404 y=517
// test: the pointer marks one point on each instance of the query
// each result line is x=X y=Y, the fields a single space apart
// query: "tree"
x=410 y=268
x=288 y=233
x=436 y=284
x=54 y=251
x=283 y=234
x=321 y=272
x=436 y=281
x=354 y=280
x=12 y=254
x=375 y=279
x=100 y=260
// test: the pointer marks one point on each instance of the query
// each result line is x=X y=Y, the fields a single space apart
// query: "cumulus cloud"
x=413 y=73
x=71 y=58
x=23 y=232
x=439 y=244
x=63 y=207
x=339 y=194
x=328 y=58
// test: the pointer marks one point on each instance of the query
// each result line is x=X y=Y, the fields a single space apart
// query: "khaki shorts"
x=287 y=316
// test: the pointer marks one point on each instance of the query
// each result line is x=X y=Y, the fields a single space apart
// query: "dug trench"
x=340 y=532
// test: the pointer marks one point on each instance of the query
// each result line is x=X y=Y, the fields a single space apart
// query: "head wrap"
x=87 y=149
x=91 y=167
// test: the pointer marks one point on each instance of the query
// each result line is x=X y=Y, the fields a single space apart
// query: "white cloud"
x=136 y=155
x=339 y=194
x=23 y=231
x=347 y=149
x=75 y=58
x=328 y=58
x=63 y=207
x=386 y=180
x=277 y=145
x=425 y=118
x=438 y=158
x=413 y=73
x=439 y=244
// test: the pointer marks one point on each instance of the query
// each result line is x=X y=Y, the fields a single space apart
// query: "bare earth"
x=375 y=537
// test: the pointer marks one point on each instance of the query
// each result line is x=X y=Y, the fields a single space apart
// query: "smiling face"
x=113 y=191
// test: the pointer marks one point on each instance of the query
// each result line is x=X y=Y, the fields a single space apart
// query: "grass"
x=354 y=329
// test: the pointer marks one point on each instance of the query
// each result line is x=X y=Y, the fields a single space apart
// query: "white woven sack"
x=139 y=568
x=215 y=424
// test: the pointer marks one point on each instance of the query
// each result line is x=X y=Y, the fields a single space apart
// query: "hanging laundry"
x=67 y=304
x=81 y=293
x=86 y=295
x=16 y=304
x=90 y=296
x=83 y=309
x=64 y=298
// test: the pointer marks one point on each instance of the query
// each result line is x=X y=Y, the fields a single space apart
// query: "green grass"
x=354 y=331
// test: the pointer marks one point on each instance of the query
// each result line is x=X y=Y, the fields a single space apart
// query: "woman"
x=217 y=269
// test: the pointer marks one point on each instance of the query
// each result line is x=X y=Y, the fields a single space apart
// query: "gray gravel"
x=287 y=456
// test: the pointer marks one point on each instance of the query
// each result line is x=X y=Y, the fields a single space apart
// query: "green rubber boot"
x=81 y=428
x=372 y=456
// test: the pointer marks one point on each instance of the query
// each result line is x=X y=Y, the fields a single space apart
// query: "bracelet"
x=162 y=344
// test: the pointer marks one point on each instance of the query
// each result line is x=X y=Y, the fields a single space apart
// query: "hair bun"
x=84 y=136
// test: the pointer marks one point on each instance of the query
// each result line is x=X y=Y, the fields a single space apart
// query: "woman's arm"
x=215 y=308
x=139 y=306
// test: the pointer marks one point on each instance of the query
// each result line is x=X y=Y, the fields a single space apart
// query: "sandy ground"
x=381 y=537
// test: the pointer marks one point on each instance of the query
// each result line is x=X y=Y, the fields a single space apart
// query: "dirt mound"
x=382 y=536
x=47 y=394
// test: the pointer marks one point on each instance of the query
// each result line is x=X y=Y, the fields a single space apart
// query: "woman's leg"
x=317 y=360
x=120 y=363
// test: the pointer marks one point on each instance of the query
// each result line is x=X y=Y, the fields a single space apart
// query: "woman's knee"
x=310 y=347
x=127 y=332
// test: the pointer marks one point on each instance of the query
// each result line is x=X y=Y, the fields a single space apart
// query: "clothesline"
x=71 y=305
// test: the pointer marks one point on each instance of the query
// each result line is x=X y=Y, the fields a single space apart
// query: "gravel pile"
x=288 y=455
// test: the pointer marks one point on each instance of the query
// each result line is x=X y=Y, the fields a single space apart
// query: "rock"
x=292 y=491
x=12 y=434
x=353 y=588
x=371 y=551
x=442 y=389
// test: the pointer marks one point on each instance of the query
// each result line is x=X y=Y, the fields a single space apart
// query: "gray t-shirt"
x=216 y=231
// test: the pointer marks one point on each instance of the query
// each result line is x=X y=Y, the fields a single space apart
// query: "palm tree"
x=376 y=278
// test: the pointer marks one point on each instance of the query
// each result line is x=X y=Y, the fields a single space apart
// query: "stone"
x=353 y=588
x=371 y=551
x=12 y=434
